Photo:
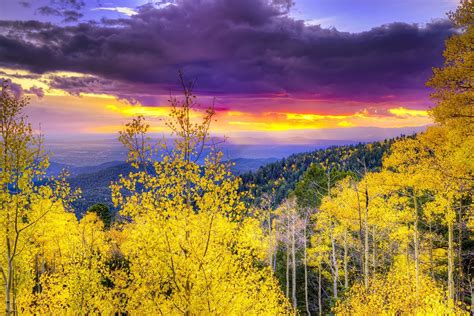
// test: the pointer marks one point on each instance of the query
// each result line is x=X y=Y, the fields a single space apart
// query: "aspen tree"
x=23 y=202
x=193 y=245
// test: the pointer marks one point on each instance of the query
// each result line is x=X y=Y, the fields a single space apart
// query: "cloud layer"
x=246 y=47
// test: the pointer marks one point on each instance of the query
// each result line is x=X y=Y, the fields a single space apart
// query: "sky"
x=275 y=70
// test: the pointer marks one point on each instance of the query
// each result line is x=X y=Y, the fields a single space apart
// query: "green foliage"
x=95 y=187
x=94 y=183
x=316 y=183
x=282 y=176
x=103 y=212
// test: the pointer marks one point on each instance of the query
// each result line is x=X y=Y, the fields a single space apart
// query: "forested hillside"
x=94 y=182
x=95 y=187
x=265 y=175
x=258 y=175
x=281 y=177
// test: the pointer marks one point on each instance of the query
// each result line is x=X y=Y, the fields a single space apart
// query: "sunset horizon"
x=84 y=77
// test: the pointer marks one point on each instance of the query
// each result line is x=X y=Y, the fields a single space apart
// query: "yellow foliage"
x=191 y=245
x=397 y=293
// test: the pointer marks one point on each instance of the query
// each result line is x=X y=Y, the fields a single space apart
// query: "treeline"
x=95 y=187
x=95 y=184
x=281 y=177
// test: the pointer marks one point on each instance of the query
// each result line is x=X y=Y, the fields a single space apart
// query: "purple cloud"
x=48 y=11
x=231 y=47
x=36 y=91
x=18 y=90
x=14 y=88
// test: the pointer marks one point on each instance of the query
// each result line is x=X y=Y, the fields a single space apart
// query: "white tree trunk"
x=293 y=263
x=346 y=270
x=366 y=240
x=305 y=270
x=288 y=269
x=416 y=244
x=335 y=266
x=450 y=261
x=320 y=304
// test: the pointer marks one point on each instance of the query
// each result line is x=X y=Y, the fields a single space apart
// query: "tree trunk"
x=288 y=273
x=305 y=270
x=471 y=286
x=9 y=277
x=361 y=238
x=293 y=264
x=275 y=260
x=460 y=278
x=431 y=252
x=416 y=243
x=335 y=266
x=272 y=241
x=450 y=260
x=366 y=240
x=8 y=288
x=374 y=251
x=288 y=260
x=320 y=305
x=14 y=310
x=275 y=250
x=346 y=270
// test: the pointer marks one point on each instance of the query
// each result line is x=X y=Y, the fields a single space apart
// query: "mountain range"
x=261 y=175
x=94 y=181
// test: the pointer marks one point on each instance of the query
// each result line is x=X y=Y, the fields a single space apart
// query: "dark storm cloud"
x=48 y=11
x=78 y=85
x=235 y=47
x=57 y=4
x=68 y=15
x=25 y=4
x=70 y=10
x=20 y=76
x=132 y=93
x=71 y=15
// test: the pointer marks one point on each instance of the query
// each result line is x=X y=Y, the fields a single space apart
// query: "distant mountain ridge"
x=259 y=175
x=281 y=176
x=55 y=168
x=94 y=181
